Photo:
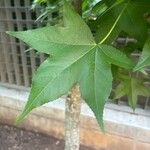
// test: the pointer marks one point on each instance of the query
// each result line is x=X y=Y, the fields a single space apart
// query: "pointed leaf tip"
x=12 y=33
x=144 y=60
x=102 y=126
x=8 y=32
x=18 y=120
x=66 y=5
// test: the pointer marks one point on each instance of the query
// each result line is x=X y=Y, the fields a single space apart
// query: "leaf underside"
x=75 y=58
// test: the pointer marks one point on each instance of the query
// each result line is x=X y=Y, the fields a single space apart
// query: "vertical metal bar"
x=146 y=103
x=23 y=56
x=2 y=60
x=2 y=63
x=13 y=47
x=42 y=57
x=29 y=26
x=7 y=49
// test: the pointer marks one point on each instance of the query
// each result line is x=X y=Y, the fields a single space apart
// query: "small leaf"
x=132 y=87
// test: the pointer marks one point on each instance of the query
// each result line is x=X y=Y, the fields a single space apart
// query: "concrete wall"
x=125 y=130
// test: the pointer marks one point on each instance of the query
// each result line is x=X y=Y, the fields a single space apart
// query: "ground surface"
x=17 y=139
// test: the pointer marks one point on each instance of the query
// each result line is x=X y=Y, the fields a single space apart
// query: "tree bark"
x=73 y=106
x=72 y=119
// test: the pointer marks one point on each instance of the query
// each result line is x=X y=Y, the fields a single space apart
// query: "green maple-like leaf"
x=132 y=87
x=127 y=16
x=144 y=58
x=75 y=58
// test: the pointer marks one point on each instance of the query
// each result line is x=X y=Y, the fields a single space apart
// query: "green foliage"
x=127 y=19
x=50 y=10
x=48 y=7
x=127 y=16
x=74 y=58
x=89 y=9
x=132 y=87
x=145 y=57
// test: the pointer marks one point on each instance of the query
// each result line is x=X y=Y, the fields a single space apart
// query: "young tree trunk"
x=73 y=107
x=72 y=119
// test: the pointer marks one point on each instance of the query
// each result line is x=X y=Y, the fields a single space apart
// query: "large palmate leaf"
x=75 y=58
x=132 y=87
x=144 y=58
x=128 y=16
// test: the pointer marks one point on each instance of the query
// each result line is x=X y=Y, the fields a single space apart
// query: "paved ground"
x=16 y=139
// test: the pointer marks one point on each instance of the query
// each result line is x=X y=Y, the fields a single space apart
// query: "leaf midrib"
x=65 y=43
x=96 y=53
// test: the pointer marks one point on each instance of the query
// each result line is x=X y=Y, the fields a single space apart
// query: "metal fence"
x=16 y=65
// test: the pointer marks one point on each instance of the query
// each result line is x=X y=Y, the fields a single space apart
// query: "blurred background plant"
x=50 y=10
x=53 y=8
